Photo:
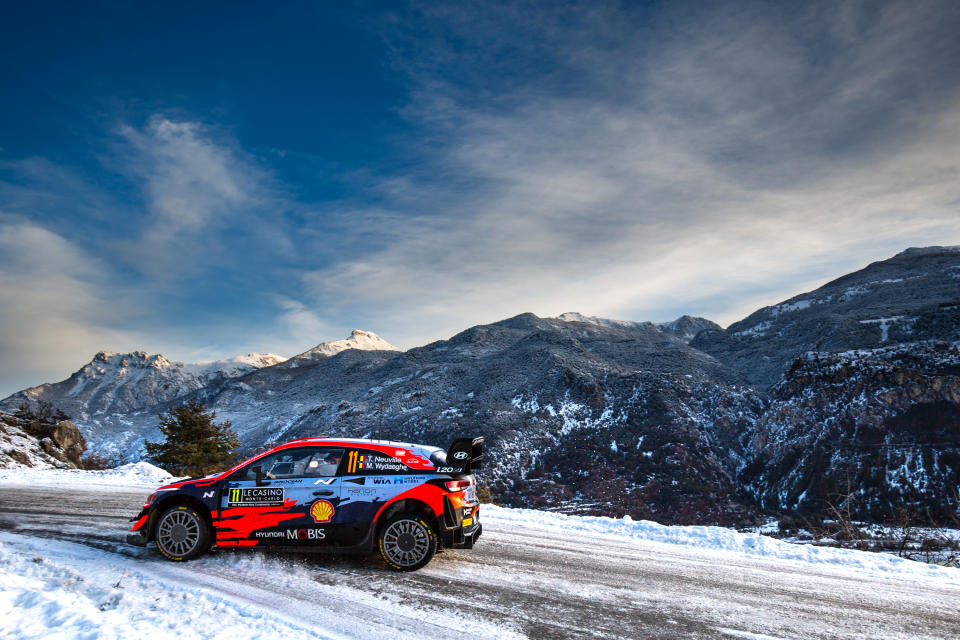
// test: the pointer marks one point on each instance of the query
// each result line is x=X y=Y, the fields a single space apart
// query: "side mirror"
x=258 y=471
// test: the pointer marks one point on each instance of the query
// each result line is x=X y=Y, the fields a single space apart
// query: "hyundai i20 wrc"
x=325 y=495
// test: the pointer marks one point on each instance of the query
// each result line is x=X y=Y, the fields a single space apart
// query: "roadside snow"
x=52 y=589
x=132 y=475
x=721 y=539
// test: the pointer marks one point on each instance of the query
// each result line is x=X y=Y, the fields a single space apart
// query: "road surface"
x=517 y=583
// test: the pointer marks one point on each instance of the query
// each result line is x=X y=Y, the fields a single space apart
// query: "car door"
x=370 y=479
x=293 y=501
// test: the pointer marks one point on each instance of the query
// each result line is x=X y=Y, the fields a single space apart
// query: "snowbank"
x=133 y=475
x=719 y=539
x=53 y=589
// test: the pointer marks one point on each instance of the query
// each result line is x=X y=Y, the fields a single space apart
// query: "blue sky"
x=209 y=179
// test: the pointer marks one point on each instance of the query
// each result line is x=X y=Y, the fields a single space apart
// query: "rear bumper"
x=470 y=537
x=461 y=525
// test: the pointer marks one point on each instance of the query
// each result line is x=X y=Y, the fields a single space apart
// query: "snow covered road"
x=64 y=569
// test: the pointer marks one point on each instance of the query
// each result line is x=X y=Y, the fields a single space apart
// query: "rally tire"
x=407 y=542
x=182 y=534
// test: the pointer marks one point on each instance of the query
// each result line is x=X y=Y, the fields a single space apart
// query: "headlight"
x=154 y=495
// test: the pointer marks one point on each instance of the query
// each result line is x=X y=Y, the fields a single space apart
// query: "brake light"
x=457 y=485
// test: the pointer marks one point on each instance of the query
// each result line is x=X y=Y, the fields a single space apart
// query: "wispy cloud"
x=702 y=162
x=198 y=188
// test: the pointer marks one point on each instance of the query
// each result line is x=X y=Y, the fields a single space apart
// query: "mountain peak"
x=687 y=327
x=574 y=316
x=114 y=360
x=926 y=251
x=358 y=339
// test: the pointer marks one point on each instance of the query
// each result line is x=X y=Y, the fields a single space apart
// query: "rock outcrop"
x=34 y=443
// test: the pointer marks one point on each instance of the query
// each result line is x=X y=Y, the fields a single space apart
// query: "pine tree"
x=195 y=445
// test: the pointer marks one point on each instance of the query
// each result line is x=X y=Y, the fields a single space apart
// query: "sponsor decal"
x=268 y=534
x=352 y=461
x=325 y=481
x=357 y=462
x=208 y=494
x=446 y=469
x=256 y=497
x=399 y=453
x=306 y=534
x=382 y=463
x=383 y=481
x=413 y=460
x=460 y=455
x=322 y=511
x=288 y=481
x=360 y=491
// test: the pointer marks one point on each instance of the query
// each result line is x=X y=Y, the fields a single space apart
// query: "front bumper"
x=137 y=539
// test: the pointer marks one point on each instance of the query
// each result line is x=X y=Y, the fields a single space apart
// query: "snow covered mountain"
x=102 y=393
x=113 y=383
x=684 y=422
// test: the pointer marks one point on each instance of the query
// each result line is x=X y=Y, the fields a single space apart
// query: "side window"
x=295 y=463
x=373 y=463
x=323 y=463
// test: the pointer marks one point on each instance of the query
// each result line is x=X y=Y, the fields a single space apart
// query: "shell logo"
x=322 y=511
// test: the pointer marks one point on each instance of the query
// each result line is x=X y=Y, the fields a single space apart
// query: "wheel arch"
x=407 y=505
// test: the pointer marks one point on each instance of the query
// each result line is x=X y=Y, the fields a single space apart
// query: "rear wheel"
x=407 y=542
x=182 y=534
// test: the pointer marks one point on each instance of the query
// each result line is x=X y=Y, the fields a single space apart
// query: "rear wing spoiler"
x=465 y=455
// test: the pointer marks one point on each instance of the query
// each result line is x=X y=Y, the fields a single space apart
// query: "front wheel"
x=407 y=542
x=182 y=534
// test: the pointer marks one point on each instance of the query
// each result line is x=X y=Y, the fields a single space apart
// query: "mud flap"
x=137 y=539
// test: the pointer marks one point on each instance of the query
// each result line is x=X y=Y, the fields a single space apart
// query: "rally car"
x=340 y=495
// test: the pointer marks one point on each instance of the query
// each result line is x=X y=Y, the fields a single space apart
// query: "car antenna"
x=380 y=425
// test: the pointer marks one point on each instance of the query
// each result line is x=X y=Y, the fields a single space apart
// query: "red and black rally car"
x=338 y=495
